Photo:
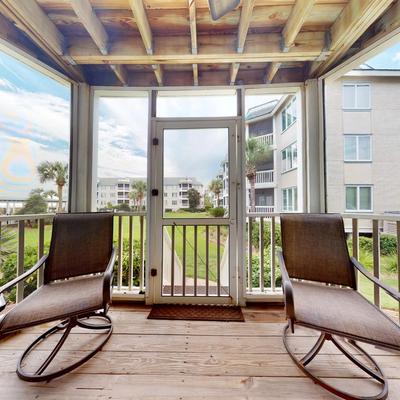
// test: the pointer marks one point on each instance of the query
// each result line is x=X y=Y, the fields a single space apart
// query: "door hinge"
x=155 y=141
x=154 y=192
x=153 y=272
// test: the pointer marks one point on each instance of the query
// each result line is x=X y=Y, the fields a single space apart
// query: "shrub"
x=267 y=234
x=388 y=245
x=366 y=243
x=217 y=212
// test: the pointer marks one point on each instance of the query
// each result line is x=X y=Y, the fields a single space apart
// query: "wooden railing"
x=129 y=241
x=263 y=274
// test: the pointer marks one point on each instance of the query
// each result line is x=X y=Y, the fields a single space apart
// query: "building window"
x=289 y=157
x=289 y=199
x=289 y=115
x=357 y=148
x=174 y=203
x=356 y=96
x=358 y=198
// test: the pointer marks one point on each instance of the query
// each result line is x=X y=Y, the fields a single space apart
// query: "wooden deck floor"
x=150 y=359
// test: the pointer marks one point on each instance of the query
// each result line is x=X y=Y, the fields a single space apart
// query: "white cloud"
x=396 y=57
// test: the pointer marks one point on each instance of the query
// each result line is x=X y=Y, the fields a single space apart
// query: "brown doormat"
x=196 y=312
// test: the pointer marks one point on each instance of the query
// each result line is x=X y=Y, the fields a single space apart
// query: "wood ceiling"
x=175 y=42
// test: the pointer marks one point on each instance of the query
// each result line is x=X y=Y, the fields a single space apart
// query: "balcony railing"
x=379 y=253
x=266 y=176
x=263 y=273
x=33 y=233
x=267 y=140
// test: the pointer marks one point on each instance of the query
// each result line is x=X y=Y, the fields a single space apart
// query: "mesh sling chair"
x=78 y=274
x=320 y=288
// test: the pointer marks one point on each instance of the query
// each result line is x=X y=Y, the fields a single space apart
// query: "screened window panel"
x=363 y=96
x=364 y=147
x=351 y=198
x=365 y=198
x=350 y=148
x=349 y=96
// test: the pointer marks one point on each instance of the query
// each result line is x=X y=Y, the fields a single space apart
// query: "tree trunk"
x=217 y=199
x=252 y=181
x=60 y=200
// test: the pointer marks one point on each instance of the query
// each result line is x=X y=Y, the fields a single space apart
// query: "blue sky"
x=34 y=126
x=389 y=59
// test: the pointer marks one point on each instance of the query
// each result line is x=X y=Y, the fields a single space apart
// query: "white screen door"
x=192 y=255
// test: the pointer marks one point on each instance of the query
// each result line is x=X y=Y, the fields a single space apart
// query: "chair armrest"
x=108 y=276
x=287 y=287
x=390 y=291
x=20 y=278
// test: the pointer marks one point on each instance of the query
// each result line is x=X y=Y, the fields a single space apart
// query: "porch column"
x=81 y=149
x=315 y=147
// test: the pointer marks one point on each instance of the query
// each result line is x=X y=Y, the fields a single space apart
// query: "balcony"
x=265 y=179
x=266 y=140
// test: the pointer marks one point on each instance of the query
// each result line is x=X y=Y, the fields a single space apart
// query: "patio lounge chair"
x=320 y=287
x=77 y=286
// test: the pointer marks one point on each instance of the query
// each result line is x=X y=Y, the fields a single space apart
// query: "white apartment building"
x=363 y=142
x=279 y=180
x=115 y=191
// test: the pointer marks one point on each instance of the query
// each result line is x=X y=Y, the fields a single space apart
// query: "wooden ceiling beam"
x=33 y=21
x=143 y=25
x=95 y=28
x=300 y=12
x=271 y=71
x=355 y=19
x=213 y=49
x=244 y=23
x=193 y=37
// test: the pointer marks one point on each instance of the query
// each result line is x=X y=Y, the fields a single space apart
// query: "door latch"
x=154 y=192
x=153 y=272
x=155 y=141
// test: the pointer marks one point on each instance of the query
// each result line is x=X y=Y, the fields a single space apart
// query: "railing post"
x=398 y=259
x=120 y=251
x=184 y=260
x=376 y=257
x=20 y=259
x=261 y=250
x=172 y=259
x=218 y=260
x=195 y=261
x=250 y=256
x=40 y=251
x=273 y=256
x=142 y=264
x=207 y=258
x=355 y=242
x=131 y=239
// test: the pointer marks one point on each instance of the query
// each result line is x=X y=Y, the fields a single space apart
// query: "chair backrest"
x=81 y=244
x=314 y=248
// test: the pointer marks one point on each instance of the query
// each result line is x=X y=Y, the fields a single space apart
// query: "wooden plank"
x=204 y=364
x=121 y=73
x=193 y=38
x=39 y=23
x=301 y=10
x=244 y=23
x=20 y=259
x=271 y=71
x=356 y=18
x=376 y=259
x=214 y=48
x=143 y=25
x=87 y=387
x=92 y=24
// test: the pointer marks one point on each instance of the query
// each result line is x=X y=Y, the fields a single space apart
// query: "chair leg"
x=65 y=326
x=302 y=363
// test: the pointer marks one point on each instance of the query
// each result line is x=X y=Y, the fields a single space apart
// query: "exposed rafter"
x=143 y=25
x=244 y=23
x=193 y=37
x=354 y=20
x=300 y=11
x=298 y=15
x=30 y=18
x=214 y=48
x=271 y=71
x=95 y=28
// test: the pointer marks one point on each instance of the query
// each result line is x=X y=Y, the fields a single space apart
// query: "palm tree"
x=54 y=171
x=139 y=192
x=216 y=186
x=256 y=153
x=134 y=197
